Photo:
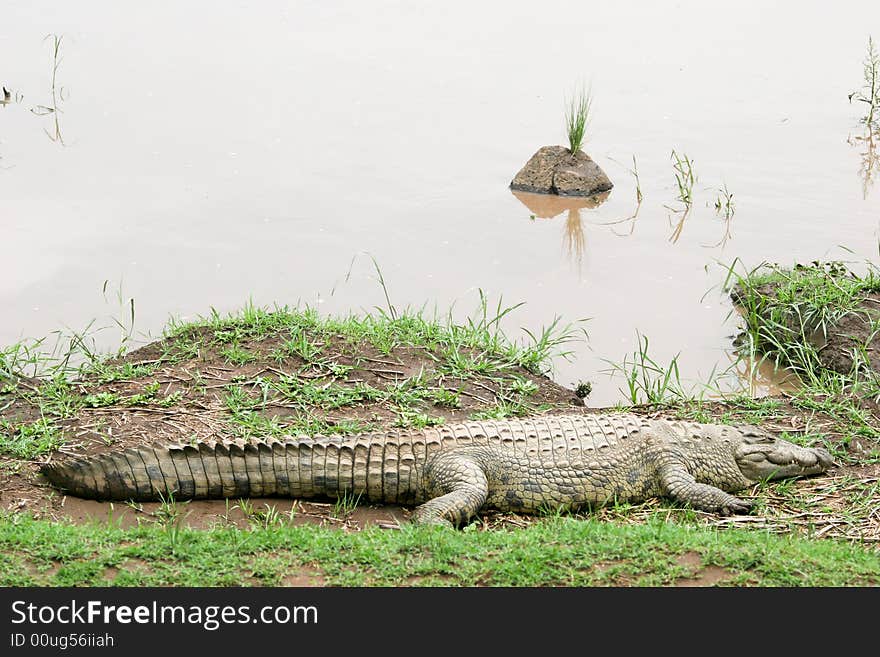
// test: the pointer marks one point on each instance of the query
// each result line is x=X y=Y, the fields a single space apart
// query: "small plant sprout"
x=685 y=177
x=169 y=512
x=724 y=203
x=58 y=93
x=583 y=389
x=446 y=398
x=345 y=504
x=870 y=91
x=577 y=116
x=523 y=387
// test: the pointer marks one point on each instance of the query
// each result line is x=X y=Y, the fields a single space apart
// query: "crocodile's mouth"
x=779 y=459
x=812 y=458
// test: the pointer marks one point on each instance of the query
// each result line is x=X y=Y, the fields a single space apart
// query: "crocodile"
x=452 y=472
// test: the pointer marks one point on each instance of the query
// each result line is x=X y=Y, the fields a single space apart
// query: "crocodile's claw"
x=735 y=505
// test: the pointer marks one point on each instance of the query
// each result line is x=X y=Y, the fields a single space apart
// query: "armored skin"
x=451 y=472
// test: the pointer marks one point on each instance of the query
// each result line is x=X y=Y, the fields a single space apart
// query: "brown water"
x=203 y=155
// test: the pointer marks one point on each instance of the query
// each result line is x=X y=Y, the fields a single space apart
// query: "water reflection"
x=677 y=226
x=630 y=220
x=725 y=209
x=548 y=206
x=725 y=237
x=759 y=376
x=869 y=163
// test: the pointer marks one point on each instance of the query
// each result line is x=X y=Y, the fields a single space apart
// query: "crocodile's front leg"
x=456 y=487
x=677 y=483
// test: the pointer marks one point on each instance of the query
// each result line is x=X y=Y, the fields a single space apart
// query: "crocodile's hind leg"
x=457 y=488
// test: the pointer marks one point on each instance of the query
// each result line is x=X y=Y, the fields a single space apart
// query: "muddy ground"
x=184 y=398
x=853 y=333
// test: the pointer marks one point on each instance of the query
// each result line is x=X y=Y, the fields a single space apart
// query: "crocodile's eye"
x=756 y=436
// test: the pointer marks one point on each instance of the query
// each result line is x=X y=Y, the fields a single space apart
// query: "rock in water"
x=555 y=170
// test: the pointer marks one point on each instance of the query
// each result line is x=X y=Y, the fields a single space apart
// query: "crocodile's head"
x=761 y=456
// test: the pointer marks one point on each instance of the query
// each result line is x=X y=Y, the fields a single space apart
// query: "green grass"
x=577 y=117
x=22 y=359
x=304 y=393
x=408 y=418
x=445 y=397
x=108 y=373
x=557 y=551
x=300 y=345
x=851 y=421
x=505 y=408
x=29 y=440
x=648 y=381
x=149 y=397
x=236 y=355
x=478 y=343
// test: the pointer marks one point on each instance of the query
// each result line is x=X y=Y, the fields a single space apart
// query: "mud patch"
x=243 y=514
x=42 y=573
x=436 y=580
x=703 y=575
x=308 y=575
x=853 y=339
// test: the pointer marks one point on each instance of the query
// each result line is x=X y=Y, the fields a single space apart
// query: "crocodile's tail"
x=274 y=468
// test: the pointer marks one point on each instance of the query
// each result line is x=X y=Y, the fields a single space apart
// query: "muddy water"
x=205 y=514
x=199 y=156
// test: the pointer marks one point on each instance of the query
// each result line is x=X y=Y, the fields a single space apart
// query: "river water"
x=197 y=155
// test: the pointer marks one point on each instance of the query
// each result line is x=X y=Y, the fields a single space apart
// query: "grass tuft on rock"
x=577 y=117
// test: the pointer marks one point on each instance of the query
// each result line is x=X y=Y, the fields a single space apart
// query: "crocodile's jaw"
x=761 y=456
